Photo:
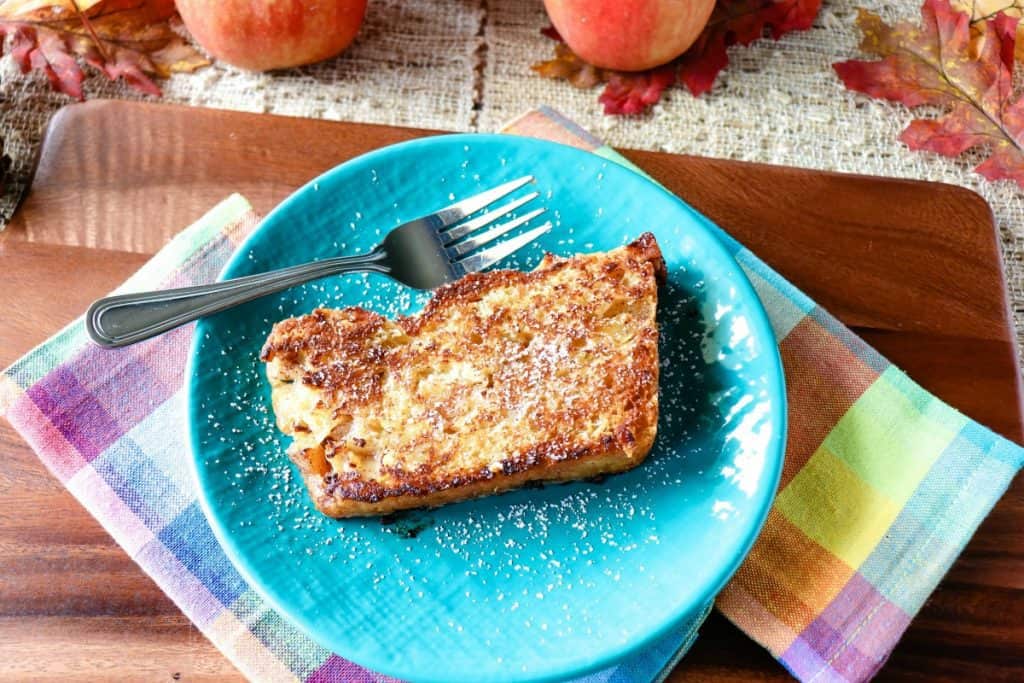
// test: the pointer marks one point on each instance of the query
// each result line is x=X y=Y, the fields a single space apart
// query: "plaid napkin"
x=883 y=483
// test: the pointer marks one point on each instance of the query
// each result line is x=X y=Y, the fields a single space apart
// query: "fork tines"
x=455 y=227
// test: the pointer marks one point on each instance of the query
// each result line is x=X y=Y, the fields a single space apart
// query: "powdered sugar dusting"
x=532 y=568
x=547 y=534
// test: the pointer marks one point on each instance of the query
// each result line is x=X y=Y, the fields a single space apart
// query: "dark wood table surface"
x=912 y=267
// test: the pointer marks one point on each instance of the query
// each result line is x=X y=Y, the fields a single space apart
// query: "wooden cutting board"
x=913 y=267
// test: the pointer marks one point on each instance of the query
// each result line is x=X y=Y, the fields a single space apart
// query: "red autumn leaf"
x=23 y=42
x=124 y=63
x=51 y=57
x=740 y=22
x=633 y=93
x=132 y=40
x=46 y=52
x=944 y=63
x=732 y=22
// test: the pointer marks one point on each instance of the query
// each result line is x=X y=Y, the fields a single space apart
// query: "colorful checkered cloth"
x=883 y=483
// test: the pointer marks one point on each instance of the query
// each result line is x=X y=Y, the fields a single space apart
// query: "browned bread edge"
x=609 y=461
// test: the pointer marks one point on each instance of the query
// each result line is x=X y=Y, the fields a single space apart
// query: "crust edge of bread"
x=607 y=461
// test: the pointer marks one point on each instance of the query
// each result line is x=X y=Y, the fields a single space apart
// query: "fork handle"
x=128 y=318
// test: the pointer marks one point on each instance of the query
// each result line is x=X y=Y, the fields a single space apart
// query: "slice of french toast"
x=504 y=378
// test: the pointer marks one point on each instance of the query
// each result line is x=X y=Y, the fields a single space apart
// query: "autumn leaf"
x=981 y=10
x=633 y=93
x=132 y=40
x=943 y=63
x=567 y=66
x=740 y=22
x=732 y=22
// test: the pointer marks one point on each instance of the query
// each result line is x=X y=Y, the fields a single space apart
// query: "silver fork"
x=423 y=253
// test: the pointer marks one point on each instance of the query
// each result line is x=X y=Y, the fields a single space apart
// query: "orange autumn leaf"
x=567 y=66
x=940 y=63
x=134 y=40
x=24 y=8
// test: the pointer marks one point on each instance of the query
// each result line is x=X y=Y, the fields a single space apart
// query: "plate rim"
x=612 y=655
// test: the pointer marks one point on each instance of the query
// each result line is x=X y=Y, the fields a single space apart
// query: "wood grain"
x=149 y=648
x=913 y=267
x=34 y=271
x=137 y=174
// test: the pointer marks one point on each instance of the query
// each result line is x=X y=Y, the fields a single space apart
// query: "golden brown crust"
x=585 y=467
x=505 y=377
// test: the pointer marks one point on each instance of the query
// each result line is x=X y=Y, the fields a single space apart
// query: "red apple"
x=629 y=35
x=272 y=34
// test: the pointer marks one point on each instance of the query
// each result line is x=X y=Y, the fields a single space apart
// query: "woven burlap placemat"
x=464 y=65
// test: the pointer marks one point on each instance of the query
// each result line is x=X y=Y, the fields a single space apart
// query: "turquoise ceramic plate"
x=536 y=584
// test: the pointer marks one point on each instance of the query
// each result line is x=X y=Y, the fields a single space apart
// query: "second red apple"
x=629 y=35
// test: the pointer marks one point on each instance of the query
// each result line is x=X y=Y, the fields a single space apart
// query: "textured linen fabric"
x=883 y=483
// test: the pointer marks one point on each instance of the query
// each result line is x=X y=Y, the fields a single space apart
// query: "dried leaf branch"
x=134 y=40
x=946 y=62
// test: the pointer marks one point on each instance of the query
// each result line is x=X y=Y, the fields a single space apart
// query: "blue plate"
x=536 y=584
